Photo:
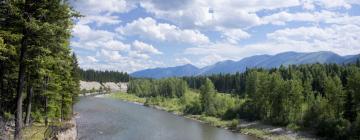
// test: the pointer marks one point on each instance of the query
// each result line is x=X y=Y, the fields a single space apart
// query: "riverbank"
x=61 y=131
x=256 y=129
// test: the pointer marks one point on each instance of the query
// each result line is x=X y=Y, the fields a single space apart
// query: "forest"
x=324 y=98
x=103 y=76
x=39 y=75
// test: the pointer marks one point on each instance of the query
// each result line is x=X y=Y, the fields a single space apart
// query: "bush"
x=8 y=116
x=248 y=112
x=194 y=108
x=334 y=128
x=355 y=129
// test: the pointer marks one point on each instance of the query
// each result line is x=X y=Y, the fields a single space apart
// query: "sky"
x=131 y=35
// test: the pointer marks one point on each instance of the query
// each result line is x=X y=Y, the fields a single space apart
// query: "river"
x=110 y=119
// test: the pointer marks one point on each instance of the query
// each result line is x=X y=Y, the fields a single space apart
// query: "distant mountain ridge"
x=258 y=61
x=184 y=70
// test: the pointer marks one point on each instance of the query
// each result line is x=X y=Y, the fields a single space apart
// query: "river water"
x=110 y=119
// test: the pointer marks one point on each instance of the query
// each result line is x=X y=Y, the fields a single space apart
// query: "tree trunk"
x=46 y=112
x=46 y=102
x=19 y=90
x=62 y=106
x=22 y=72
x=28 y=112
x=1 y=86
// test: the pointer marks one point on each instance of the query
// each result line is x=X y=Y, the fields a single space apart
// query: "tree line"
x=104 y=76
x=171 y=87
x=321 y=97
x=39 y=76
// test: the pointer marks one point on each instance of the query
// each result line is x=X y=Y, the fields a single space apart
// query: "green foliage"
x=355 y=129
x=171 y=87
x=128 y=97
x=324 y=97
x=207 y=98
x=35 y=54
x=103 y=76
x=191 y=101
x=8 y=116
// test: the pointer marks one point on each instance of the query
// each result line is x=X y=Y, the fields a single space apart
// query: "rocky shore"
x=66 y=131
x=6 y=128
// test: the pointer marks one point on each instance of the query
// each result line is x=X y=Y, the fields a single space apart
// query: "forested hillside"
x=324 y=98
x=39 y=79
x=256 y=61
x=103 y=76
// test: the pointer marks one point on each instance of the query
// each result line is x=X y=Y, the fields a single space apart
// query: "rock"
x=65 y=132
x=6 y=128
x=121 y=86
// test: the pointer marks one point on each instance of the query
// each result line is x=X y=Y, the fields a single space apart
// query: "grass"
x=127 y=97
x=35 y=132
x=214 y=121
x=169 y=105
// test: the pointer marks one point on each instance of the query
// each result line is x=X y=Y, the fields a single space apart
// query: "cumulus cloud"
x=142 y=50
x=329 y=4
x=110 y=56
x=282 y=17
x=234 y=35
x=108 y=6
x=99 y=20
x=182 y=61
x=100 y=12
x=128 y=66
x=209 y=60
x=88 y=38
x=142 y=47
x=209 y=31
x=341 y=39
x=150 y=28
x=225 y=13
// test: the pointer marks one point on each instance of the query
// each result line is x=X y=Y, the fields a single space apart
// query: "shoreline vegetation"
x=255 y=128
x=323 y=99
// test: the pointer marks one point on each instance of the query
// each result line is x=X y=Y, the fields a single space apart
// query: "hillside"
x=258 y=61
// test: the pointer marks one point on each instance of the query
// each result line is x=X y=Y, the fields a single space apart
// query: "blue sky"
x=131 y=35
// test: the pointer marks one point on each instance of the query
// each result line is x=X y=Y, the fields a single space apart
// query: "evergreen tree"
x=207 y=92
x=35 y=46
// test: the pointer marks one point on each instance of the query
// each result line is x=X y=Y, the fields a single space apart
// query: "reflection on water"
x=107 y=119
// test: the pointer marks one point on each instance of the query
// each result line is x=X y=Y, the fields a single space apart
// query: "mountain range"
x=257 y=61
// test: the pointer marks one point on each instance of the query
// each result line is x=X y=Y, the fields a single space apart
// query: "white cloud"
x=333 y=3
x=341 y=39
x=224 y=50
x=95 y=7
x=191 y=23
x=209 y=60
x=282 y=17
x=308 y=5
x=127 y=64
x=345 y=20
x=144 y=48
x=91 y=59
x=149 y=28
x=109 y=56
x=85 y=33
x=91 y=39
x=182 y=61
x=100 y=12
x=99 y=20
x=141 y=50
x=234 y=35
x=227 y=13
